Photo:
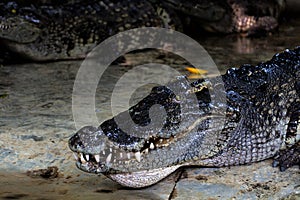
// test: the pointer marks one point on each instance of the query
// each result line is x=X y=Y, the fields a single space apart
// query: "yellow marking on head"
x=196 y=70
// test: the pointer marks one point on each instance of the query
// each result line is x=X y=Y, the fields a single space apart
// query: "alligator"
x=55 y=31
x=257 y=118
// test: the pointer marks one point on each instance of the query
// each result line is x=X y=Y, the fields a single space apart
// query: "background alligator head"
x=69 y=31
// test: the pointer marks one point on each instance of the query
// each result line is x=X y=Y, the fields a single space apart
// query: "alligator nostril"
x=75 y=141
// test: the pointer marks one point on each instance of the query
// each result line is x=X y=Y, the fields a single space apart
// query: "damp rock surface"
x=255 y=181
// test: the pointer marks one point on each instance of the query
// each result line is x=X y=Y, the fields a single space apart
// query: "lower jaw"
x=143 y=178
x=136 y=179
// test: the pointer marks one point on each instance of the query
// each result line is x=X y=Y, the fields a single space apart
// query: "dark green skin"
x=71 y=30
x=262 y=111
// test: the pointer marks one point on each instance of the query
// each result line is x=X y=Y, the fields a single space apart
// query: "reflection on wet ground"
x=36 y=121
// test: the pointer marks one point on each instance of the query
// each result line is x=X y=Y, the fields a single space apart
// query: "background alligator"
x=70 y=30
x=257 y=119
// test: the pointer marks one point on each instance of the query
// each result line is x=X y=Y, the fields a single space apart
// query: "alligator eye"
x=14 y=11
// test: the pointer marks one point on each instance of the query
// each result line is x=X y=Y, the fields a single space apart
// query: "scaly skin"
x=258 y=119
x=71 y=30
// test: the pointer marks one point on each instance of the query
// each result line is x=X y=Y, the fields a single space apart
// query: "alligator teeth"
x=146 y=150
x=138 y=156
x=152 y=146
x=87 y=157
x=128 y=155
x=97 y=158
x=82 y=159
x=121 y=155
x=108 y=159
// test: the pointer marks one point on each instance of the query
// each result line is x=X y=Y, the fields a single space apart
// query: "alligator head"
x=20 y=28
x=141 y=146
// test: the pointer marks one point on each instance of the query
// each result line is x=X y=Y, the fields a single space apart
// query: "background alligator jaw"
x=18 y=30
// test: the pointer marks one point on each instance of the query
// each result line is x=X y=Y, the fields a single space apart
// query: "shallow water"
x=36 y=121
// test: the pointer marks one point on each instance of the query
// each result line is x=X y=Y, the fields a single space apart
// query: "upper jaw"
x=106 y=161
x=137 y=179
x=89 y=163
x=95 y=153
